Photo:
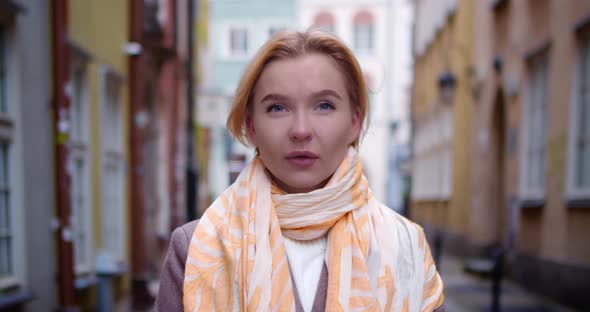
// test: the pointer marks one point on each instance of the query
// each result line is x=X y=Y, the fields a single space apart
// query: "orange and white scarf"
x=377 y=260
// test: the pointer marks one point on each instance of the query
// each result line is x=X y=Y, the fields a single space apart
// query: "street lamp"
x=446 y=84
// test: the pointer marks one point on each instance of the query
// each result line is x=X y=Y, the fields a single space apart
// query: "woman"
x=299 y=230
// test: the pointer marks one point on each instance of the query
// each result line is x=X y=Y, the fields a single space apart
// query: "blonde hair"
x=291 y=44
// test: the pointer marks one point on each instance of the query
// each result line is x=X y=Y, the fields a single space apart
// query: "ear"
x=356 y=126
x=250 y=132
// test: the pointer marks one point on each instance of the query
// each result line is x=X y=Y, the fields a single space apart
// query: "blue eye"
x=275 y=108
x=326 y=106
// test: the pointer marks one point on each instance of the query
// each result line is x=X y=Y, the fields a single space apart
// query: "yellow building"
x=531 y=187
x=501 y=139
x=98 y=34
x=441 y=113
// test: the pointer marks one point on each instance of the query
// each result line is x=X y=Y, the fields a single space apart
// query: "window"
x=5 y=233
x=12 y=252
x=78 y=166
x=6 y=241
x=535 y=128
x=324 y=21
x=433 y=160
x=579 y=138
x=363 y=32
x=238 y=44
x=7 y=229
x=113 y=231
x=582 y=131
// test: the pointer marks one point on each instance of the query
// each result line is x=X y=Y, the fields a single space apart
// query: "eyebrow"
x=274 y=98
x=281 y=98
x=327 y=92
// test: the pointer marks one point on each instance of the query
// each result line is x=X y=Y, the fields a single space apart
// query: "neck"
x=296 y=190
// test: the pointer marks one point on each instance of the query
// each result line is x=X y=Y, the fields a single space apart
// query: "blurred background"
x=112 y=134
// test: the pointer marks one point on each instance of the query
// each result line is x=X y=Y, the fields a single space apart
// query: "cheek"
x=257 y=131
x=341 y=131
x=335 y=142
x=267 y=137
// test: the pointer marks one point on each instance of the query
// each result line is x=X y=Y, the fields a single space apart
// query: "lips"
x=302 y=159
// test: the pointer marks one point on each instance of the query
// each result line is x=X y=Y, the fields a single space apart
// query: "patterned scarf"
x=376 y=259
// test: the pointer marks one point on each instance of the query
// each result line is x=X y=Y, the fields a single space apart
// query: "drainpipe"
x=61 y=106
x=176 y=212
x=192 y=175
x=141 y=297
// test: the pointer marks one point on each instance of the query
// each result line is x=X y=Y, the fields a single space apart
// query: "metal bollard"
x=498 y=258
x=105 y=293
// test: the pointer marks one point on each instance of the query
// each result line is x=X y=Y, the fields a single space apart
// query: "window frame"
x=112 y=156
x=10 y=279
x=433 y=158
x=238 y=54
x=363 y=32
x=539 y=61
x=573 y=191
x=9 y=135
x=368 y=42
x=79 y=151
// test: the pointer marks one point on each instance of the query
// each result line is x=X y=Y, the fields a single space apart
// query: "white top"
x=306 y=259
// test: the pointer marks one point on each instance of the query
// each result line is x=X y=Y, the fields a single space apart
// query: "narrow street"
x=465 y=292
x=121 y=121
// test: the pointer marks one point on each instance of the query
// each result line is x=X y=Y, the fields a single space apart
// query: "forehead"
x=301 y=75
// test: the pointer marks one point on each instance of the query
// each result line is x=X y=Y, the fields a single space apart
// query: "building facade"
x=378 y=32
x=518 y=136
x=441 y=112
x=531 y=122
x=97 y=153
x=27 y=247
x=92 y=150
x=237 y=29
x=160 y=74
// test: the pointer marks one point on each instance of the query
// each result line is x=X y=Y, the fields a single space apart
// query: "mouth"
x=302 y=159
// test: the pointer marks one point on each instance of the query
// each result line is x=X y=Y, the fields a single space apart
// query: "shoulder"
x=185 y=231
x=181 y=237
x=409 y=235
x=402 y=223
x=169 y=296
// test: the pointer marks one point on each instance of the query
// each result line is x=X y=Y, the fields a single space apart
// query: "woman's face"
x=302 y=121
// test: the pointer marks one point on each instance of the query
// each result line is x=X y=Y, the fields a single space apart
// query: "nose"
x=300 y=130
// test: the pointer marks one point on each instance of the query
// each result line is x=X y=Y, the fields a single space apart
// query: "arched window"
x=363 y=32
x=324 y=21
